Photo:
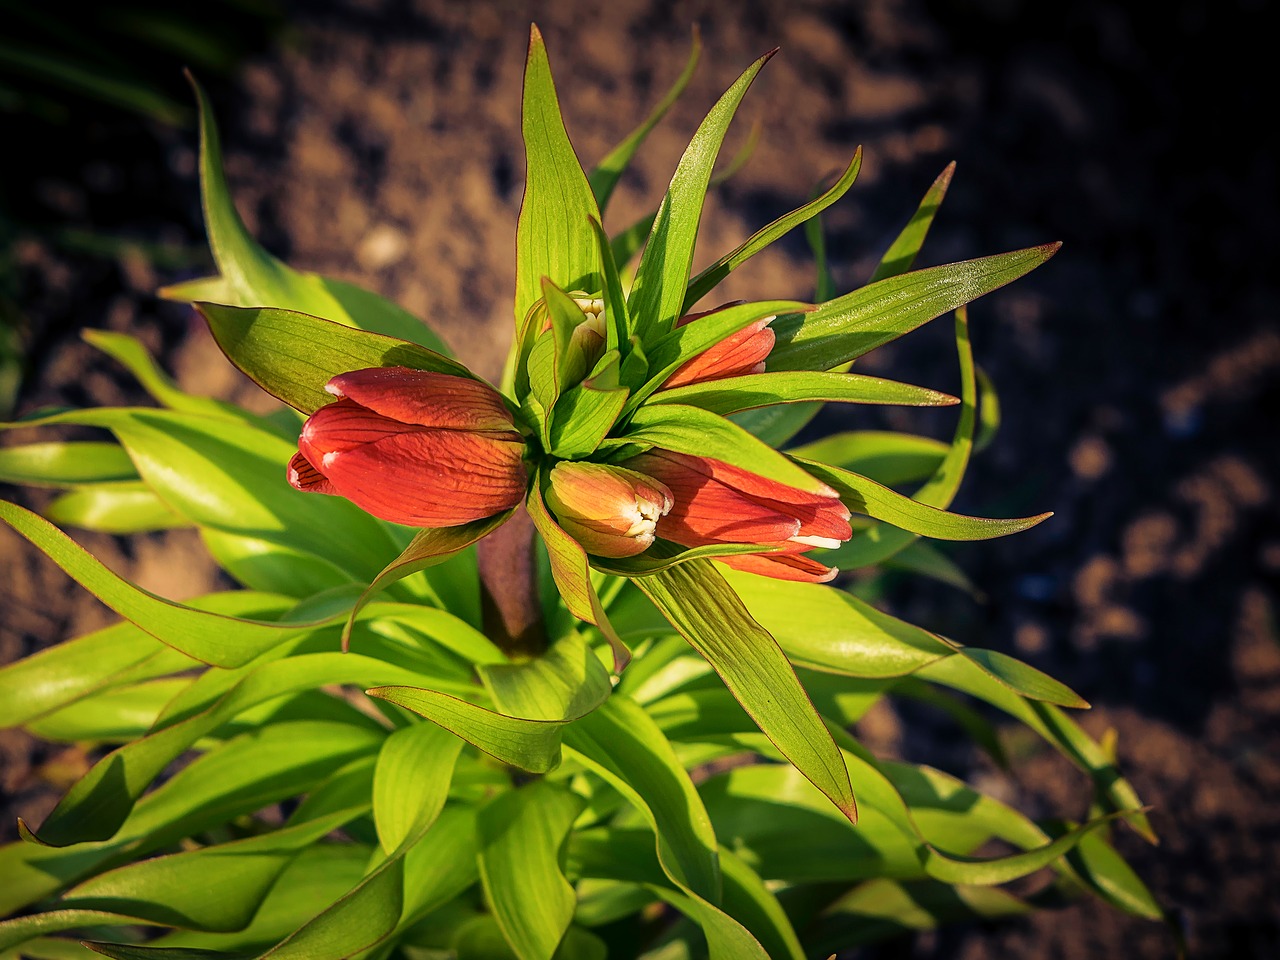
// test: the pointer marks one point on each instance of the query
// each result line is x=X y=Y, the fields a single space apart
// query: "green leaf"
x=902 y=253
x=865 y=496
x=553 y=237
x=1058 y=729
x=568 y=681
x=521 y=833
x=262 y=565
x=825 y=628
x=663 y=275
x=621 y=743
x=411 y=781
x=711 y=277
x=292 y=355
x=70 y=464
x=849 y=326
x=251 y=277
x=133 y=356
x=926 y=560
x=99 y=803
x=206 y=636
x=115 y=655
x=617 y=317
x=882 y=908
x=232 y=879
x=428 y=548
x=731 y=394
x=887 y=457
x=700 y=433
x=609 y=170
x=112 y=716
x=236 y=778
x=1024 y=679
x=878 y=544
x=113 y=508
x=755 y=906
x=231 y=476
x=709 y=614
x=532 y=745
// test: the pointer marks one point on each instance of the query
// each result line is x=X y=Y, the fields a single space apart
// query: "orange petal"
x=430 y=478
x=424 y=398
x=736 y=355
x=782 y=566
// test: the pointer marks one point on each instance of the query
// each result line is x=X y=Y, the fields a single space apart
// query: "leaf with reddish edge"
x=901 y=255
x=428 y=548
x=663 y=274
x=293 y=355
x=755 y=670
x=870 y=498
x=850 y=326
x=572 y=573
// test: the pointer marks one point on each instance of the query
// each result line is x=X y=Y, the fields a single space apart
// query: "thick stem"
x=510 y=607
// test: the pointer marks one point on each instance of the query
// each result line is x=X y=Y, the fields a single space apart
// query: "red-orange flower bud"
x=611 y=511
x=718 y=503
x=736 y=355
x=414 y=447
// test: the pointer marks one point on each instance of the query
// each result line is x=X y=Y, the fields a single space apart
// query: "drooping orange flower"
x=414 y=447
x=718 y=503
x=736 y=355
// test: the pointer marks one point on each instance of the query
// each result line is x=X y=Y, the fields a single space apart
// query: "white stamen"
x=827 y=542
x=328 y=458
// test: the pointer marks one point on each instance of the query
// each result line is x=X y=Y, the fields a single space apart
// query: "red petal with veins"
x=430 y=478
x=424 y=398
x=304 y=476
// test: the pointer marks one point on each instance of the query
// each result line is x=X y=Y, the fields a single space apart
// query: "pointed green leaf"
x=521 y=833
x=865 y=496
x=621 y=743
x=133 y=356
x=709 y=614
x=711 y=277
x=609 y=170
x=583 y=417
x=887 y=457
x=69 y=464
x=825 y=628
x=251 y=277
x=902 y=253
x=663 y=274
x=617 y=317
x=731 y=394
x=849 y=326
x=553 y=237
x=292 y=355
x=411 y=781
x=565 y=682
x=114 y=508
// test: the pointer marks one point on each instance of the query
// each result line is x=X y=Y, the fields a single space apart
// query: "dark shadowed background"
x=378 y=140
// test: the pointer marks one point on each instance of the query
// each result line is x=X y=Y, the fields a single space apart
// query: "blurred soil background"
x=378 y=140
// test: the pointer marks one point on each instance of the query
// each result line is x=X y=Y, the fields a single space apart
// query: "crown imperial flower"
x=611 y=511
x=414 y=447
x=718 y=503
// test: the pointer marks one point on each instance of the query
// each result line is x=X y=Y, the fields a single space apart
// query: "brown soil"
x=382 y=145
